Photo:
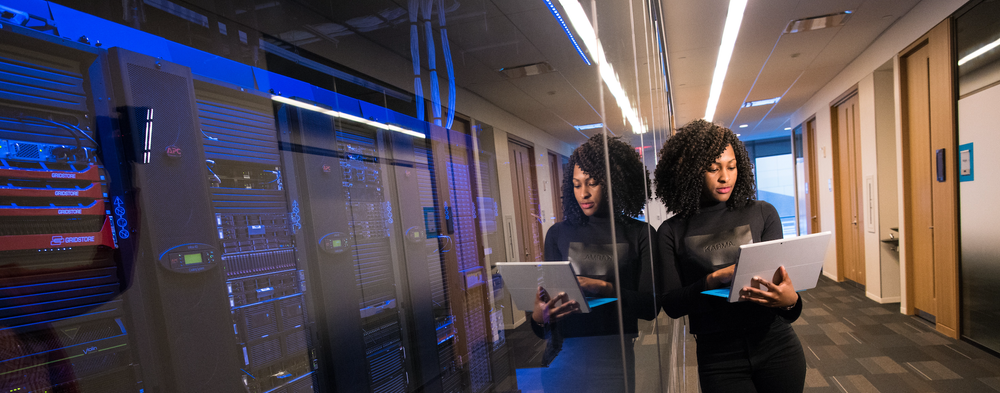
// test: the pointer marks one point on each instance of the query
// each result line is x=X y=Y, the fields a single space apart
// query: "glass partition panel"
x=976 y=34
x=303 y=196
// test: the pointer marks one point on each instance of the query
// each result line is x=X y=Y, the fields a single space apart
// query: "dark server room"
x=193 y=201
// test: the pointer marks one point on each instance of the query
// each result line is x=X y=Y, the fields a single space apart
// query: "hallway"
x=854 y=344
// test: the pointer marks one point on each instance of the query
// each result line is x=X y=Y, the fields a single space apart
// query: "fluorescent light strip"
x=342 y=115
x=572 y=40
x=770 y=101
x=979 y=52
x=589 y=126
x=577 y=17
x=733 y=20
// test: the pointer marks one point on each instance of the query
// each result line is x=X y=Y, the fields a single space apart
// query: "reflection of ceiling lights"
x=978 y=52
x=578 y=18
x=817 y=22
x=572 y=40
x=589 y=126
x=770 y=101
x=732 y=29
x=345 y=116
x=527 y=70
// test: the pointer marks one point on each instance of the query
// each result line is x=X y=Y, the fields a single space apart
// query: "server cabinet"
x=62 y=324
x=339 y=190
x=183 y=321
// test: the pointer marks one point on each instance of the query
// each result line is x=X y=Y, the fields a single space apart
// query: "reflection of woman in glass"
x=591 y=346
x=704 y=176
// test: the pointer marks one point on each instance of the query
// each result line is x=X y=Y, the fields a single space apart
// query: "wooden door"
x=849 y=196
x=812 y=184
x=918 y=173
x=556 y=174
x=526 y=214
x=930 y=208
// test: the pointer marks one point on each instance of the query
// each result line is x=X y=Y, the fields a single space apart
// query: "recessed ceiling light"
x=527 y=70
x=729 y=33
x=744 y=125
x=788 y=128
x=817 y=22
x=589 y=126
x=737 y=135
x=769 y=101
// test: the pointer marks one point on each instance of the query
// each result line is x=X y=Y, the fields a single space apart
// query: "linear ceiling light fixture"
x=581 y=23
x=342 y=115
x=572 y=40
x=589 y=126
x=733 y=21
x=978 y=52
x=770 y=101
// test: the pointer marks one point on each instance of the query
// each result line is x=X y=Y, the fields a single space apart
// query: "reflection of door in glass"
x=529 y=228
x=556 y=172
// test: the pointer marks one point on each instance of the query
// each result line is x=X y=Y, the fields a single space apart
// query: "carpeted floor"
x=854 y=344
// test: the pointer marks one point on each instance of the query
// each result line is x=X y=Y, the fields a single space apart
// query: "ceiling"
x=373 y=37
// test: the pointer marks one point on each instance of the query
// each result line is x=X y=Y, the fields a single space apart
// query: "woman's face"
x=720 y=177
x=589 y=194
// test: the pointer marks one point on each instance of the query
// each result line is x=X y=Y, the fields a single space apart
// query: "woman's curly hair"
x=684 y=159
x=629 y=178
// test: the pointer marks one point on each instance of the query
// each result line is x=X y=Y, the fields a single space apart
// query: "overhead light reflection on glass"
x=342 y=115
x=581 y=23
x=978 y=52
x=589 y=126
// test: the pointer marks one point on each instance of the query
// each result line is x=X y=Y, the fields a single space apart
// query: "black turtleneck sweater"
x=588 y=247
x=694 y=247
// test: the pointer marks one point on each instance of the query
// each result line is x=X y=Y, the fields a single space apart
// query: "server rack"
x=265 y=285
x=339 y=188
x=61 y=316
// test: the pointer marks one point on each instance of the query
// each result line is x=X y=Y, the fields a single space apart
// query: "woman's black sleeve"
x=642 y=300
x=677 y=300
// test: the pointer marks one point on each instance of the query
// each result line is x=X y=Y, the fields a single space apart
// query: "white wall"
x=887 y=196
x=919 y=20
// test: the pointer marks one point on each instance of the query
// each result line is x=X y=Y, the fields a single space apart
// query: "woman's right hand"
x=720 y=278
x=548 y=310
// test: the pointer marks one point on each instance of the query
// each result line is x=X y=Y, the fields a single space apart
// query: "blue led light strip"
x=562 y=23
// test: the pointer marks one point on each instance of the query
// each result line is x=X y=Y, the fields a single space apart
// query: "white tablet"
x=522 y=279
x=802 y=257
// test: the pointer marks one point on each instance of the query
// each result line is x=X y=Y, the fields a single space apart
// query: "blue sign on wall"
x=966 y=168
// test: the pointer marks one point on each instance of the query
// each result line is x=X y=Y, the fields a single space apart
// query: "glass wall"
x=314 y=196
x=976 y=30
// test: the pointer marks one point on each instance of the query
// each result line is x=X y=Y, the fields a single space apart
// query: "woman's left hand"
x=780 y=293
x=595 y=287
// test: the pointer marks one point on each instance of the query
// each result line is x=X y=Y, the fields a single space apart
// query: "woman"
x=590 y=343
x=704 y=176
